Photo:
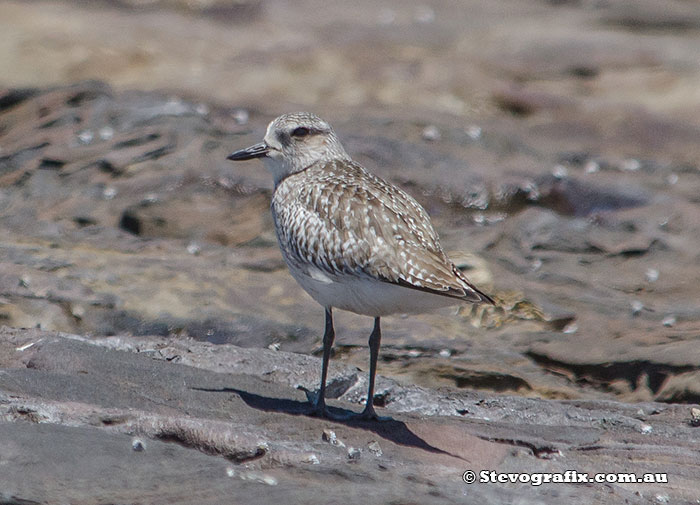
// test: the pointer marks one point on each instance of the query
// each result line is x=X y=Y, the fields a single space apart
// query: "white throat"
x=278 y=167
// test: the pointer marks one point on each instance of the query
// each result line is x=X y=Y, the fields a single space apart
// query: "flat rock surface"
x=553 y=143
x=156 y=420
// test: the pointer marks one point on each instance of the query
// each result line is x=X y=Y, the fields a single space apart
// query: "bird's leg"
x=374 y=341
x=328 y=338
x=319 y=403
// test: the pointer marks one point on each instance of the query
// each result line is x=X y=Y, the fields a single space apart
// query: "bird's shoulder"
x=349 y=197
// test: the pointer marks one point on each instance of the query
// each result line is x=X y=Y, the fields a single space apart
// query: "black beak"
x=255 y=151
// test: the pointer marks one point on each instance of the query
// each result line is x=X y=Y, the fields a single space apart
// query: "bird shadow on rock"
x=392 y=430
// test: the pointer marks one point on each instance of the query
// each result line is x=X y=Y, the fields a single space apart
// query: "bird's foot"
x=369 y=414
x=323 y=411
x=318 y=408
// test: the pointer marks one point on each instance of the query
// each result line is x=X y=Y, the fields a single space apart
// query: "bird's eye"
x=301 y=131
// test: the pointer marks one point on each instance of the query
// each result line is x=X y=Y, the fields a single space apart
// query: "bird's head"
x=294 y=142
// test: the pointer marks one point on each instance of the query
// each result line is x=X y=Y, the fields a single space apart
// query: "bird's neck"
x=281 y=168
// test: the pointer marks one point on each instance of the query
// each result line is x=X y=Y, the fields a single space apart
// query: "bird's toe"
x=369 y=414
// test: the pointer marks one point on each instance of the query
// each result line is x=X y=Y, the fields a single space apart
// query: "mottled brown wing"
x=425 y=265
x=355 y=223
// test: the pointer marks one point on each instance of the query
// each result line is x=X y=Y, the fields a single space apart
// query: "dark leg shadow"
x=392 y=430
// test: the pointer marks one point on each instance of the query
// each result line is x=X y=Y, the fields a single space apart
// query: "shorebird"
x=352 y=240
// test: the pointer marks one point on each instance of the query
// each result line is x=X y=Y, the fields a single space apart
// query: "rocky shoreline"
x=157 y=420
x=154 y=347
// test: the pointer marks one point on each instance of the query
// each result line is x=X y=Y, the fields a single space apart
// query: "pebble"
x=254 y=476
x=695 y=417
x=85 y=136
x=669 y=321
x=484 y=220
x=630 y=165
x=637 y=307
x=173 y=107
x=150 y=198
x=25 y=346
x=570 y=328
x=77 y=311
x=311 y=458
x=473 y=132
x=591 y=167
x=560 y=172
x=109 y=192
x=430 y=133
x=354 y=454
x=652 y=275
x=330 y=437
x=106 y=133
x=194 y=248
x=532 y=191
x=374 y=448
x=138 y=445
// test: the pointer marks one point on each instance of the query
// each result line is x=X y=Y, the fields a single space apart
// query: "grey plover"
x=352 y=240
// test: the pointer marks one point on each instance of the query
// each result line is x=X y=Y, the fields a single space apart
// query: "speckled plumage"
x=352 y=240
x=343 y=221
